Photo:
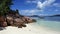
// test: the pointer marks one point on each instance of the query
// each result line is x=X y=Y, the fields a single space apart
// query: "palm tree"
x=5 y=6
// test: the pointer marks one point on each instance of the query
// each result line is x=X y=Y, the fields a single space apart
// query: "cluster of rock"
x=13 y=18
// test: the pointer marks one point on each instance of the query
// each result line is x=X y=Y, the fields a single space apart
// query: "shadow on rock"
x=2 y=28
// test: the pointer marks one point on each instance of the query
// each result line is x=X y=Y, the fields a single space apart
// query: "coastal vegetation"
x=9 y=17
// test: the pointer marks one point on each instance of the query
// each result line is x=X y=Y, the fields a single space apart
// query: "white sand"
x=30 y=29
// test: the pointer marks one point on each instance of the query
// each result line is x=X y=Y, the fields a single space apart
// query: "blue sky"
x=37 y=7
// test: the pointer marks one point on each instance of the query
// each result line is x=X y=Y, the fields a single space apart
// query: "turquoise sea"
x=51 y=23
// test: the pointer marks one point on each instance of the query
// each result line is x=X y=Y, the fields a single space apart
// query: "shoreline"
x=30 y=29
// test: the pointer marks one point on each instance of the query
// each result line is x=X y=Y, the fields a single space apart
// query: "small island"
x=56 y=15
x=41 y=17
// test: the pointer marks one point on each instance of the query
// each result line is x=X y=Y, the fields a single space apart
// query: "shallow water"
x=51 y=23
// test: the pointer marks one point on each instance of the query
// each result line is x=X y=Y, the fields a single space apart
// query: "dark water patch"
x=52 y=19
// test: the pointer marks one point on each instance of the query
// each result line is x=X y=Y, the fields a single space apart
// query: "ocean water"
x=51 y=23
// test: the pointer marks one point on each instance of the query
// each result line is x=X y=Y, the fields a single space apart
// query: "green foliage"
x=5 y=6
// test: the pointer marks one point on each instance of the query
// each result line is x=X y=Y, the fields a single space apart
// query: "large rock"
x=3 y=22
x=9 y=20
x=28 y=20
x=19 y=22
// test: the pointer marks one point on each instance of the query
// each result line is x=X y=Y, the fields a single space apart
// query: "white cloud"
x=28 y=11
x=40 y=4
x=31 y=12
x=45 y=3
x=56 y=10
x=56 y=4
x=31 y=1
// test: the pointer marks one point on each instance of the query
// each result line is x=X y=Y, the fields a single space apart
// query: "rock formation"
x=3 y=22
x=13 y=18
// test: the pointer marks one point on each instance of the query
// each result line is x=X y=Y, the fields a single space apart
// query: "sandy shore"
x=30 y=29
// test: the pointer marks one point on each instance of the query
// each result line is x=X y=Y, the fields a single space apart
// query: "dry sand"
x=30 y=29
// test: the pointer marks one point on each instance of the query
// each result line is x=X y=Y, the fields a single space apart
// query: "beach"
x=30 y=29
x=29 y=16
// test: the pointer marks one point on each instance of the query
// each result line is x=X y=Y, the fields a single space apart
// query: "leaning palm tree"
x=5 y=6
